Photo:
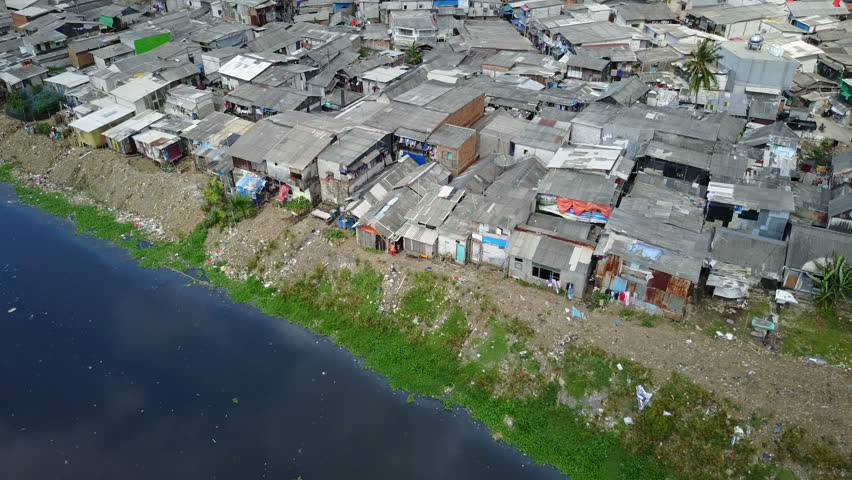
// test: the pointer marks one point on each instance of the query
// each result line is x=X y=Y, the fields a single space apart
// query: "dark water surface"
x=110 y=371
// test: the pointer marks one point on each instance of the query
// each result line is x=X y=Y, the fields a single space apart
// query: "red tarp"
x=565 y=204
x=283 y=191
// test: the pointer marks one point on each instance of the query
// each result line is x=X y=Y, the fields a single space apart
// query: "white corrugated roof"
x=137 y=89
x=244 y=67
x=69 y=79
x=103 y=117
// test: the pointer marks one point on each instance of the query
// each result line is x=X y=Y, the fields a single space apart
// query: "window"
x=545 y=273
x=519 y=263
x=405 y=31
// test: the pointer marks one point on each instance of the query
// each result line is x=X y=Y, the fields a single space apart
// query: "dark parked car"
x=799 y=124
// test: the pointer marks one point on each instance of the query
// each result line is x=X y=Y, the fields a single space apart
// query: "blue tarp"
x=418 y=159
x=618 y=284
x=445 y=3
x=646 y=251
x=249 y=185
x=494 y=241
x=340 y=6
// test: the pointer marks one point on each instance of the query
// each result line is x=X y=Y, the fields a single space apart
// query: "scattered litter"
x=667 y=414
x=738 y=432
x=576 y=313
x=816 y=360
x=619 y=367
x=628 y=421
x=778 y=428
x=643 y=397
x=689 y=341
x=726 y=336
x=214 y=440
x=12 y=310
x=235 y=400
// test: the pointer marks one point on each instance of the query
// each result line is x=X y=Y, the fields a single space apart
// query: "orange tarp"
x=370 y=229
x=565 y=204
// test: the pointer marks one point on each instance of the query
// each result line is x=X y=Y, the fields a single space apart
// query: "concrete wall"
x=766 y=71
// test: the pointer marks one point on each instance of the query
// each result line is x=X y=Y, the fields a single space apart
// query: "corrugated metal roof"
x=576 y=185
x=763 y=257
x=244 y=67
x=808 y=246
x=101 y=118
x=436 y=205
x=299 y=148
x=751 y=197
x=133 y=126
x=254 y=144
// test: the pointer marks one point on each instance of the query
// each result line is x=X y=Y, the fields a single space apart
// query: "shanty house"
x=120 y=137
x=808 y=248
x=189 y=102
x=539 y=259
x=420 y=235
x=739 y=261
x=358 y=156
x=508 y=202
x=415 y=27
x=66 y=81
x=159 y=146
x=293 y=161
x=143 y=93
x=455 y=147
x=760 y=211
x=80 y=52
x=89 y=129
x=540 y=138
x=653 y=248
x=577 y=195
x=23 y=77
x=378 y=227
x=249 y=151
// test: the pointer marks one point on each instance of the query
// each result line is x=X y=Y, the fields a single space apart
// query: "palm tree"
x=413 y=55
x=241 y=206
x=833 y=283
x=698 y=68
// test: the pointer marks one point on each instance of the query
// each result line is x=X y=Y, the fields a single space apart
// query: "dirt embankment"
x=161 y=201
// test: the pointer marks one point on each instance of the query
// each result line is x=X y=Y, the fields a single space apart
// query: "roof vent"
x=755 y=42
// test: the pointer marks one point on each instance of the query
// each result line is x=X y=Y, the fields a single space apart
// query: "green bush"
x=43 y=128
x=298 y=205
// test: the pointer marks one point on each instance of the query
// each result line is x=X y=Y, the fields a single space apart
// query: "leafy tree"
x=413 y=55
x=46 y=101
x=17 y=101
x=834 y=282
x=698 y=68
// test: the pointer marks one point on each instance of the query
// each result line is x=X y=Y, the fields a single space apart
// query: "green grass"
x=806 y=334
x=496 y=345
x=586 y=370
x=6 y=172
